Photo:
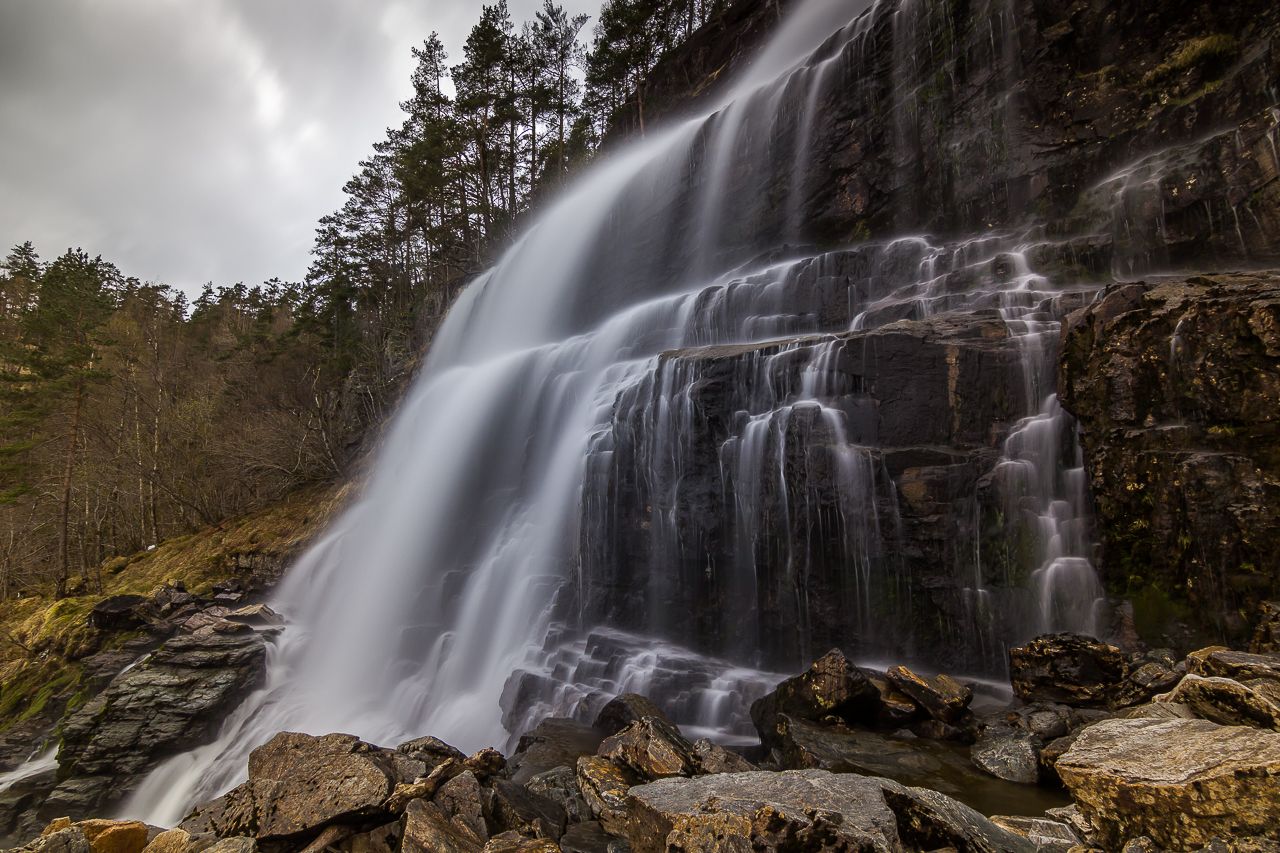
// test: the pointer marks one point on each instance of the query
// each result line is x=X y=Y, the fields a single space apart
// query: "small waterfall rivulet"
x=646 y=452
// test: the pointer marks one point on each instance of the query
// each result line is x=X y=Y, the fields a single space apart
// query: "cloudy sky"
x=200 y=140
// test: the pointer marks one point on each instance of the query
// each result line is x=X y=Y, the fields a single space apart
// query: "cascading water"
x=490 y=540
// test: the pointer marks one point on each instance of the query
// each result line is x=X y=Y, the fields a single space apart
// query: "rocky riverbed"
x=1098 y=749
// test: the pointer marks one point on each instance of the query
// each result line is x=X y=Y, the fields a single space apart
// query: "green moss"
x=1154 y=611
x=1211 y=54
x=46 y=636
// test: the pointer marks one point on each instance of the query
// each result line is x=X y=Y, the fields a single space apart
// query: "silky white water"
x=408 y=617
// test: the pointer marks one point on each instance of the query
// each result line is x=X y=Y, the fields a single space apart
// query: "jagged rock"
x=298 y=785
x=180 y=841
x=208 y=618
x=1069 y=669
x=1044 y=720
x=832 y=686
x=431 y=751
x=514 y=842
x=424 y=788
x=1266 y=632
x=68 y=840
x=554 y=742
x=1009 y=755
x=257 y=615
x=235 y=845
x=623 y=710
x=382 y=839
x=942 y=696
x=896 y=708
x=804 y=810
x=560 y=786
x=1232 y=703
x=486 y=763
x=463 y=803
x=713 y=758
x=427 y=830
x=590 y=837
x=115 y=836
x=120 y=613
x=1179 y=781
x=604 y=786
x=174 y=700
x=1225 y=663
x=1048 y=836
x=652 y=748
x=517 y=808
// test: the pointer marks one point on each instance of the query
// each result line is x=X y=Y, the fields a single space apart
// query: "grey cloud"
x=201 y=140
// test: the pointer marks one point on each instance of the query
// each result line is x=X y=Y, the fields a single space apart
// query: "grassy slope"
x=43 y=639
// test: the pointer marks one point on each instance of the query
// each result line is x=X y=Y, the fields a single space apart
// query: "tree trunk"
x=64 y=516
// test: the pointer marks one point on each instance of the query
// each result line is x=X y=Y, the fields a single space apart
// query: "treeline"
x=129 y=414
x=482 y=141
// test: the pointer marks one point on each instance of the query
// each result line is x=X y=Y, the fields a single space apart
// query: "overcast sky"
x=201 y=140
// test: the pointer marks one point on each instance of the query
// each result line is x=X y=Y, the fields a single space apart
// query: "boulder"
x=897 y=709
x=804 y=810
x=464 y=803
x=257 y=615
x=652 y=748
x=1232 y=703
x=115 y=836
x=554 y=742
x=298 y=785
x=486 y=763
x=560 y=786
x=431 y=751
x=121 y=613
x=714 y=758
x=1266 y=632
x=517 y=808
x=604 y=785
x=180 y=841
x=625 y=709
x=427 y=830
x=514 y=842
x=1181 y=782
x=832 y=686
x=1049 y=836
x=1009 y=755
x=590 y=837
x=424 y=788
x=1070 y=669
x=172 y=701
x=1225 y=663
x=67 y=840
x=941 y=696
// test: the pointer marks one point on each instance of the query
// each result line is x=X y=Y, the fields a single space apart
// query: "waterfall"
x=479 y=560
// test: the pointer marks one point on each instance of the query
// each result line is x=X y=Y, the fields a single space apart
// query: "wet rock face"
x=1177 y=388
x=708 y=531
x=172 y=700
x=1180 y=782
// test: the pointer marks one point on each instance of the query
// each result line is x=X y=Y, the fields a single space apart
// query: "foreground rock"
x=805 y=810
x=1067 y=668
x=298 y=785
x=831 y=687
x=172 y=701
x=1180 y=782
